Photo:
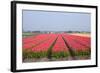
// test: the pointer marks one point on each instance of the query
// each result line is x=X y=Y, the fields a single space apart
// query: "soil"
x=53 y=59
x=81 y=34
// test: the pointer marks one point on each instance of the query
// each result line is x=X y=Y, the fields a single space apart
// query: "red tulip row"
x=43 y=44
x=41 y=50
x=60 y=50
x=59 y=46
x=86 y=41
x=43 y=47
x=73 y=44
x=32 y=41
x=77 y=48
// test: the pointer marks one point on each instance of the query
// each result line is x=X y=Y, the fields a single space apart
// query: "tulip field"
x=56 y=47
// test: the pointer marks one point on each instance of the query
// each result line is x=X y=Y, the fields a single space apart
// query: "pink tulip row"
x=32 y=41
x=43 y=42
x=60 y=46
x=86 y=41
x=45 y=46
x=34 y=38
x=73 y=44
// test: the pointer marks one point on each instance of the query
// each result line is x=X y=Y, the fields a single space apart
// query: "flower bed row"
x=56 y=46
x=86 y=41
x=33 y=41
x=41 y=50
x=60 y=50
x=78 y=49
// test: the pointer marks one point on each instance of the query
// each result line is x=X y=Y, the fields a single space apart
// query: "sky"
x=55 y=21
